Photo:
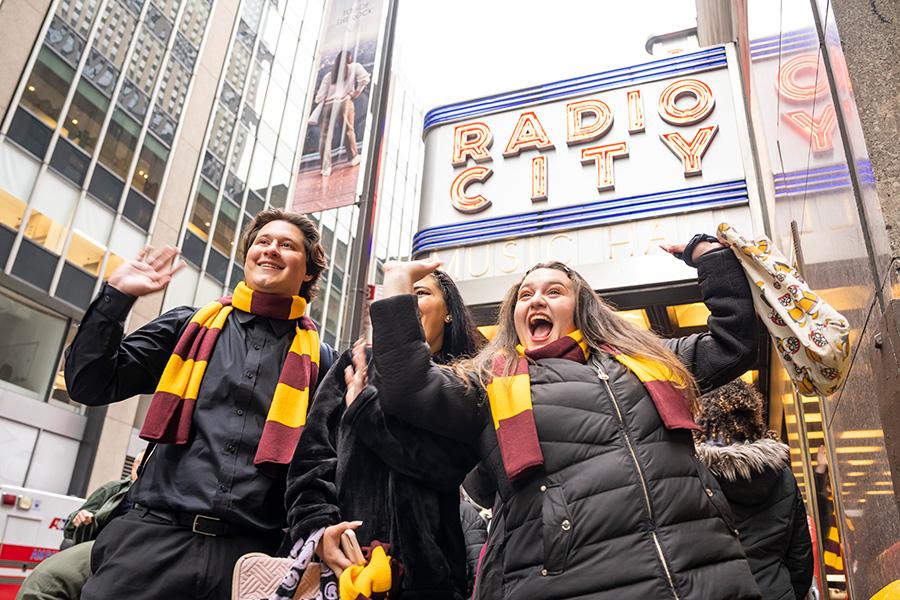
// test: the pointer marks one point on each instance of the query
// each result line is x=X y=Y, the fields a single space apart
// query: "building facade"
x=134 y=122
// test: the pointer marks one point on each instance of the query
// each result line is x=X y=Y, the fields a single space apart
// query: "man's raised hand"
x=150 y=271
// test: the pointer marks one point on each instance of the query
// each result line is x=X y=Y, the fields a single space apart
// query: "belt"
x=199 y=524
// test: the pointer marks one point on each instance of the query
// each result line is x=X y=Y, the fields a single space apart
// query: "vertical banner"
x=339 y=106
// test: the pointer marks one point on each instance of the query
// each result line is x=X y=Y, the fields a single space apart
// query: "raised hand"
x=355 y=375
x=399 y=277
x=150 y=271
x=699 y=250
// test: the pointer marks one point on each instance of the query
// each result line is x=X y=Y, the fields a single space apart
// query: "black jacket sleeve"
x=799 y=558
x=729 y=348
x=430 y=458
x=102 y=368
x=311 y=496
x=410 y=386
x=475 y=534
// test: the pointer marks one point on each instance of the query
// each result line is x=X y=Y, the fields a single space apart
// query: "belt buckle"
x=197 y=521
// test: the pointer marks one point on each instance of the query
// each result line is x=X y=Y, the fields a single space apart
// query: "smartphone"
x=350 y=547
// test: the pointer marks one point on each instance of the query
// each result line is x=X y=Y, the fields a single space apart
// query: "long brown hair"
x=598 y=323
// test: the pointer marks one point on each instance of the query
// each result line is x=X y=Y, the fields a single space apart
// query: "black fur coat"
x=341 y=472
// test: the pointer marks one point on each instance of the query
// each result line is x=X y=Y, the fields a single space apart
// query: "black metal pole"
x=362 y=243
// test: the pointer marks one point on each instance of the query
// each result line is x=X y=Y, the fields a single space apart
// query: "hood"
x=746 y=471
x=745 y=459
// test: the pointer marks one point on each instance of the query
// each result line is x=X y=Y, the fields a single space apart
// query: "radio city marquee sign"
x=588 y=122
x=558 y=161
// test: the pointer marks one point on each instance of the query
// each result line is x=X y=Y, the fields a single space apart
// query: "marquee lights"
x=682 y=103
x=538 y=178
x=469 y=204
x=635 y=112
x=576 y=130
x=690 y=152
x=820 y=131
x=471 y=140
x=603 y=156
x=801 y=80
x=704 y=102
x=528 y=134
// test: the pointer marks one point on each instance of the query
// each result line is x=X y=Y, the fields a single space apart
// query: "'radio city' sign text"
x=683 y=103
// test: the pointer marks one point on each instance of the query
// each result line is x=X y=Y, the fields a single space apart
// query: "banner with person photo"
x=339 y=106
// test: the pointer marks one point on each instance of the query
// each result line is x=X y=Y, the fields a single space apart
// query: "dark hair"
x=340 y=60
x=461 y=338
x=733 y=413
x=316 y=261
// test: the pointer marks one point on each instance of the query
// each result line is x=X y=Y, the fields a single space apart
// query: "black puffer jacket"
x=769 y=513
x=621 y=508
x=341 y=472
x=475 y=533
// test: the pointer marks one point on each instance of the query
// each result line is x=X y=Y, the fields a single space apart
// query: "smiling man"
x=231 y=383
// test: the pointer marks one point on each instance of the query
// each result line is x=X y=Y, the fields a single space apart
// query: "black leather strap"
x=199 y=524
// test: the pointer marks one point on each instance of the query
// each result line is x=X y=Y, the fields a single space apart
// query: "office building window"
x=82 y=125
x=119 y=143
x=47 y=87
x=30 y=133
x=150 y=168
x=29 y=348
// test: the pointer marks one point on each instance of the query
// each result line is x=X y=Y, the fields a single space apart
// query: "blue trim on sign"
x=704 y=197
x=703 y=60
x=820 y=179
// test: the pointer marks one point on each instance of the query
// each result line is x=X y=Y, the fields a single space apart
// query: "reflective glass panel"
x=82 y=124
x=150 y=168
x=47 y=87
x=119 y=143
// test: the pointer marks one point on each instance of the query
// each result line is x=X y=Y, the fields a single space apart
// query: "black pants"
x=143 y=557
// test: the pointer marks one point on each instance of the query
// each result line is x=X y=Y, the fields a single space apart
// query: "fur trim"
x=745 y=458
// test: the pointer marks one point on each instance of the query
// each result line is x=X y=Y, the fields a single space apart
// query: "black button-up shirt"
x=213 y=474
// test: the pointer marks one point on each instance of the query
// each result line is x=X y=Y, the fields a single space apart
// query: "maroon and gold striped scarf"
x=169 y=419
x=509 y=396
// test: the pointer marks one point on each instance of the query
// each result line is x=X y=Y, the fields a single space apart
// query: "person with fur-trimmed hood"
x=754 y=471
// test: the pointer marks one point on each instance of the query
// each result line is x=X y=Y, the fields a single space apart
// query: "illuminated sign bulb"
x=703 y=105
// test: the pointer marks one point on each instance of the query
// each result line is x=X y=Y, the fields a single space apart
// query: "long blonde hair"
x=599 y=325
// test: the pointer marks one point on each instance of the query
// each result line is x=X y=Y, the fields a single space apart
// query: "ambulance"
x=31 y=529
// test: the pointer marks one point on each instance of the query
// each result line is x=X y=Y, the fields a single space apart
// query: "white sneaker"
x=326 y=171
x=354 y=161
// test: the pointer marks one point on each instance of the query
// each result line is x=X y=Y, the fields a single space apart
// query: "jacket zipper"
x=605 y=379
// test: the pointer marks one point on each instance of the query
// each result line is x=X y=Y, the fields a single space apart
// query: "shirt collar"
x=279 y=327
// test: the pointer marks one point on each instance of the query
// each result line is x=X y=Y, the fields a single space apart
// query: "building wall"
x=147 y=121
x=98 y=114
x=870 y=38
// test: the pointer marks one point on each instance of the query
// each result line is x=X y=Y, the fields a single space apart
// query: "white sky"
x=463 y=49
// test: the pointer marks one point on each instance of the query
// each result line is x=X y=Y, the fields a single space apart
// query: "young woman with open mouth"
x=583 y=423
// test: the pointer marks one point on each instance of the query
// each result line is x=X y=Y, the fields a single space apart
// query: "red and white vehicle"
x=31 y=529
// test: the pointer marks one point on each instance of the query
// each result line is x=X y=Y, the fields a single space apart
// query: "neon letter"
x=471 y=140
x=576 y=131
x=635 y=112
x=469 y=204
x=818 y=131
x=538 y=178
x=704 y=102
x=528 y=134
x=603 y=156
x=789 y=84
x=690 y=152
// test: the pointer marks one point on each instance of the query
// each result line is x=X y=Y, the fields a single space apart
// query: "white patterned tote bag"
x=812 y=338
